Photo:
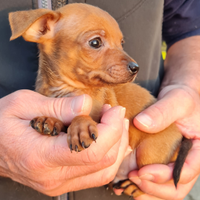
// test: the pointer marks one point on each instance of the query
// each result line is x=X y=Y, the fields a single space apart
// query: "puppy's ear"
x=33 y=25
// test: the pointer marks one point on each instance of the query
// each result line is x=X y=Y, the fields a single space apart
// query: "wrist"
x=182 y=80
x=179 y=90
x=182 y=64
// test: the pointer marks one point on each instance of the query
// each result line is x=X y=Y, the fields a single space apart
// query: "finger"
x=105 y=108
x=28 y=104
x=78 y=171
x=100 y=177
x=110 y=129
x=112 y=170
x=159 y=115
x=156 y=173
x=147 y=197
x=118 y=192
x=116 y=153
x=167 y=190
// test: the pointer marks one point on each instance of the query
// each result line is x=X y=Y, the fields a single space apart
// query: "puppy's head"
x=81 y=43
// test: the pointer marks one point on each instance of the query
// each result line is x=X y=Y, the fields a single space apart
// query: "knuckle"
x=186 y=98
x=17 y=98
x=191 y=175
x=21 y=94
x=55 y=107
x=46 y=186
x=157 y=112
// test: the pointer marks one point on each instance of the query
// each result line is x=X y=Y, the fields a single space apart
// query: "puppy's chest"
x=100 y=96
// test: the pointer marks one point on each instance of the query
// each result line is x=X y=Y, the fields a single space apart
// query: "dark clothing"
x=141 y=24
x=18 y=59
x=181 y=19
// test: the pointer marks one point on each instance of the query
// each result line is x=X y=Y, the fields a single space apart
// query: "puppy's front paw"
x=129 y=188
x=47 y=125
x=81 y=133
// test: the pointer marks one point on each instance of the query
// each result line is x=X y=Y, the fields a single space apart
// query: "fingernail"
x=77 y=104
x=136 y=180
x=122 y=112
x=108 y=106
x=126 y=124
x=145 y=120
x=147 y=177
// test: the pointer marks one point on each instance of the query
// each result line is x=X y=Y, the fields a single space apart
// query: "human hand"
x=179 y=104
x=46 y=163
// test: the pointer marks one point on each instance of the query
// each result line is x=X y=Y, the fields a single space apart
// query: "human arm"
x=178 y=102
x=46 y=163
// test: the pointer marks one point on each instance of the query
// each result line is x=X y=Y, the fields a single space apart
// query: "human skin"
x=179 y=102
x=46 y=163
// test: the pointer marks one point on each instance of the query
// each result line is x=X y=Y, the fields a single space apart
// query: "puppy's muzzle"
x=133 y=68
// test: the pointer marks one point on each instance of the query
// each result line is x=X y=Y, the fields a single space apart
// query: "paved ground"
x=195 y=192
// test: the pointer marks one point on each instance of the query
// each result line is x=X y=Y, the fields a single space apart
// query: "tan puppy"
x=81 y=53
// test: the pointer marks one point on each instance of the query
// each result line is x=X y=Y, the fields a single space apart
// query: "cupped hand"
x=179 y=104
x=45 y=163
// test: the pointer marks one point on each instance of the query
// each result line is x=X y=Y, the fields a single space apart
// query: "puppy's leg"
x=47 y=125
x=156 y=148
x=130 y=188
x=81 y=133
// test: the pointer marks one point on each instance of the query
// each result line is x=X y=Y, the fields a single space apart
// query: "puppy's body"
x=81 y=53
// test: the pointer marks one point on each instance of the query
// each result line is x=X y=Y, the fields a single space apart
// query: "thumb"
x=173 y=105
x=67 y=108
x=28 y=104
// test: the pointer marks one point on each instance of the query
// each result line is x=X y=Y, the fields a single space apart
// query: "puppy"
x=81 y=53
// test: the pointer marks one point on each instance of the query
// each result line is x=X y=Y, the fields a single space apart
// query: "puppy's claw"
x=70 y=148
x=32 y=122
x=94 y=137
x=54 y=131
x=47 y=125
x=76 y=148
x=83 y=144
x=46 y=129
x=38 y=129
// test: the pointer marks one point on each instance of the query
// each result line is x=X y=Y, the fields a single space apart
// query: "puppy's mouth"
x=120 y=73
x=116 y=74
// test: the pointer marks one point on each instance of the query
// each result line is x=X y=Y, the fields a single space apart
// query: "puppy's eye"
x=96 y=43
x=122 y=42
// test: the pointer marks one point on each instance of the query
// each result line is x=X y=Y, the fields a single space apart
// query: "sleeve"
x=181 y=20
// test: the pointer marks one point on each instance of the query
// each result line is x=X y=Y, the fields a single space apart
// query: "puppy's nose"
x=133 y=67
